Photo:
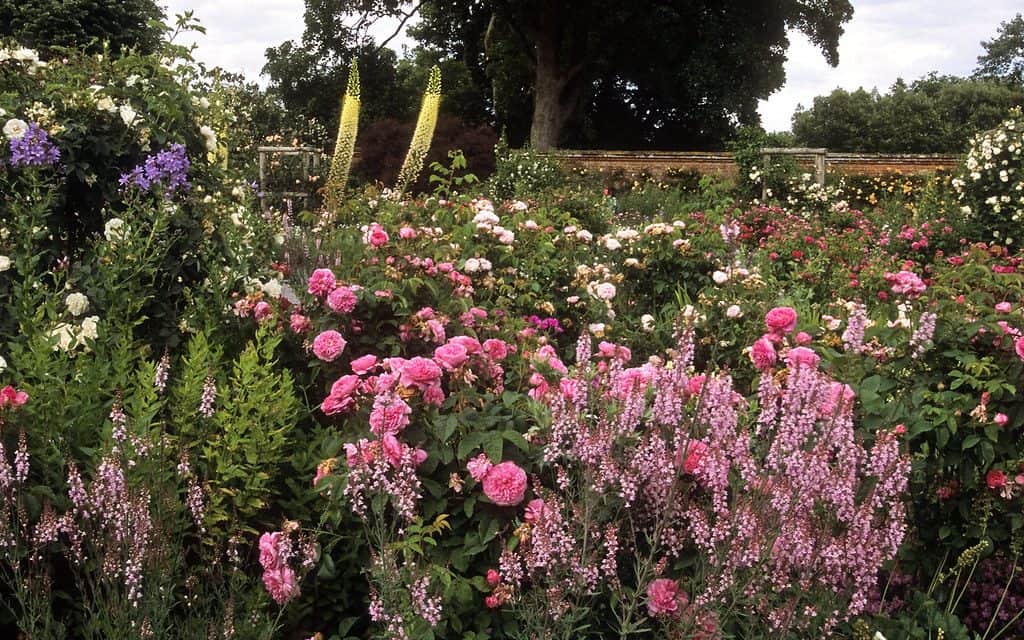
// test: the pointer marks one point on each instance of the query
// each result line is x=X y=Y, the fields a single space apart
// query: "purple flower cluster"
x=545 y=324
x=167 y=169
x=34 y=149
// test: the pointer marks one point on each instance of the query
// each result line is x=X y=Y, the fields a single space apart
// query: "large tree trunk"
x=556 y=90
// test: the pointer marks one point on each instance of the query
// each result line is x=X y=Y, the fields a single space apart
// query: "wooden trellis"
x=310 y=162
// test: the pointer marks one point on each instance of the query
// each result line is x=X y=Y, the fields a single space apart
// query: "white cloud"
x=886 y=40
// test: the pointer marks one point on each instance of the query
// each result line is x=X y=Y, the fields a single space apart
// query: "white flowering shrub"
x=523 y=171
x=990 y=186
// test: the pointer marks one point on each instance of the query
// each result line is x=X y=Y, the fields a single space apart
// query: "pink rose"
x=334 y=404
x=1004 y=307
x=495 y=349
x=693 y=459
x=995 y=479
x=802 y=356
x=268 y=549
x=390 y=415
x=534 y=510
x=364 y=364
x=763 y=355
x=299 y=323
x=420 y=373
x=493 y=578
x=780 y=319
x=433 y=395
x=505 y=484
x=907 y=283
x=664 y=598
x=280 y=583
x=472 y=345
x=328 y=345
x=10 y=397
x=492 y=602
x=450 y=356
x=393 y=449
x=342 y=300
x=407 y=233
x=695 y=384
x=478 y=467
x=375 y=236
x=262 y=310
x=1018 y=346
x=321 y=282
x=803 y=338
x=1001 y=419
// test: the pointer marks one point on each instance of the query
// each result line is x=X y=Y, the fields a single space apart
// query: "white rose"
x=720 y=277
x=584 y=236
x=5 y=263
x=113 y=230
x=597 y=329
x=647 y=322
x=77 y=303
x=485 y=264
x=25 y=55
x=89 y=329
x=127 y=114
x=209 y=138
x=14 y=129
x=106 y=103
x=605 y=291
x=612 y=244
x=733 y=311
x=519 y=205
x=65 y=335
x=272 y=288
x=3 y=364
x=472 y=265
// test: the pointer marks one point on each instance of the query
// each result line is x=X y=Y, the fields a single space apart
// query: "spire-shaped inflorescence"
x=424 y=133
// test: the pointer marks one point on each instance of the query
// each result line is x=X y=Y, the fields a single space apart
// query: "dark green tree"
x=1004 y=55
x=935 y=114
x=86 y=24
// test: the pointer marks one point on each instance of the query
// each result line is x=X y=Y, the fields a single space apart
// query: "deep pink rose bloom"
x=505 y=484
x=762 y=354
x=665 y=599
x=434 y=395
x=1004 y=307
x=299 y=323
x=450 y=356
x=334 y=404
x=606 y=349
x=10 y=397
x=780 y=319
x=376 y=236
x=995 y=479
x=695 y=384
x=364 y=364
x=393 y=449
x=420 y=373
x=534 y=510
x=1001 y=419
x=345 y=386
x=800 y=356
x=470 y=344
x=389 y=417
x=262 y=310
x=694 y=457
x=1018 y=346
x=495 y=349
x=321 y=282
x=478 y=467
x=493 y=578
x=362 y=452
x=342 y=300
x=803 y=338
x=328 y=345
x=280 y=583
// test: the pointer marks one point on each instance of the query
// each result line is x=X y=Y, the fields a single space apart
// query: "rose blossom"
x=493 y=577
x=1004 y=307
x=478 y=467
x=420 y=373
x=780 y=319
x=664 y=598
x=342 y=300
x=802 y=356
x=450 y=356
x=321 y=282
x=364 y=364
x=1018 y=346
x=995 y=479
x=534 y=510
x=328 y=345
x=299 y=323
x=803 y=338
x=262 y=310
x=375 y=236
x=9 y=397
x=505 y=484
x=694 y=457
x=495 y=349
x=268 y=549
x=1001 y=419
x=762 y=354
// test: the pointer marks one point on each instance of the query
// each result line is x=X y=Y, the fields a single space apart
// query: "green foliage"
x=935 y=114
x=1004 y=54
x=92 y=25
x=523 y=171
x=446 y=180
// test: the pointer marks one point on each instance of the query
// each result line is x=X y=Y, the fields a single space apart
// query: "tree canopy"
x=1004 y=55
x=936 y=114
x=593 y=72
x=86 y=24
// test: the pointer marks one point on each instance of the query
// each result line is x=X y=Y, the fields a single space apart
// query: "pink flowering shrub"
x=786 y=510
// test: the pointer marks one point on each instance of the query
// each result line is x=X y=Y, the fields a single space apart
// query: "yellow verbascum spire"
x=345 y=145
x=424 y=133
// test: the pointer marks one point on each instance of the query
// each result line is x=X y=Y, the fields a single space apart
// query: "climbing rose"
x=505 y=484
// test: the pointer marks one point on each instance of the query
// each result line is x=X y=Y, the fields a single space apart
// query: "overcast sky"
x=886 y=40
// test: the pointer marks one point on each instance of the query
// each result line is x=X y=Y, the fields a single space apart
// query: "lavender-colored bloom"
x=922 y=338
x=34 y=149
x=167 y=169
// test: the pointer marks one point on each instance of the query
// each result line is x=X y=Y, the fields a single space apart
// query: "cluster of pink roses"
x=906 y=283
x=278 y=577
x=781 y=321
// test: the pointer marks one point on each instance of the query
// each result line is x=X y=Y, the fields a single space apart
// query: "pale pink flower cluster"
x=906 y=283
x=276 y=554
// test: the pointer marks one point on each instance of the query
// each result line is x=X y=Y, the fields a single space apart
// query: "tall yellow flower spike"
x=345 y=145
x=424 y=133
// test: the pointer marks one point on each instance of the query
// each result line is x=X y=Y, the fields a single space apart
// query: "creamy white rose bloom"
x=584 y=236
x=3 y=364
x=612 y=244
x=209 y=138
x=733 y=311
x=15 y=128
x=113 y=230
x=272 y=288
x=65 y=336
x=127 y=114
x=89 y=329
x=647 y=322
x=77 y=303
x=5 y=263
x=605 y=291
x=485 y=264
x=106 y=103
x=720 y=277
x=597 y=329
x=519 y=205
x=25 y=55
x=472 y=265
